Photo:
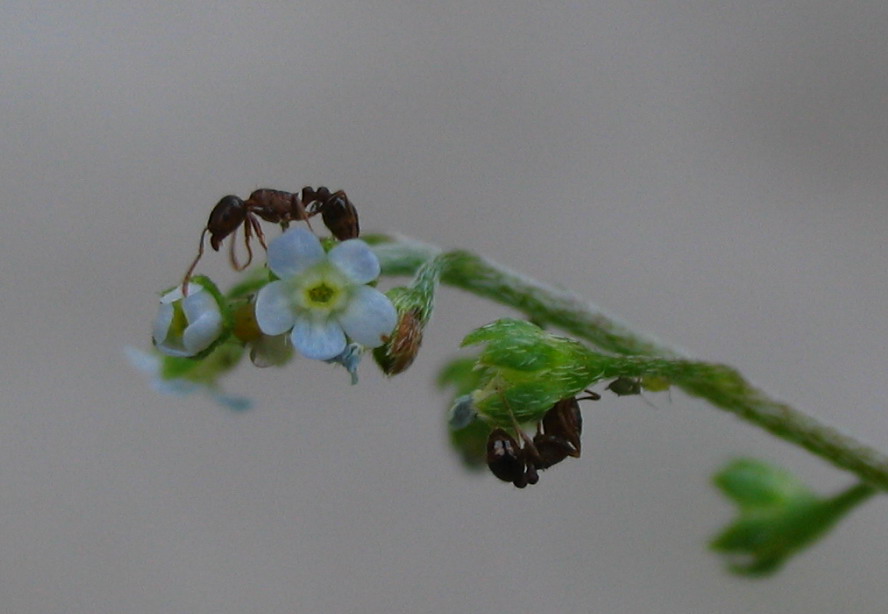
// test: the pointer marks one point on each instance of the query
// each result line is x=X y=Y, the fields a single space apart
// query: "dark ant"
x=557 y=437
x=560 y=433
x=277 y=207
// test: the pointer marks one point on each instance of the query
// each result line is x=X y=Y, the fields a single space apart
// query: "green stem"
x=850 y=498
x=721 y=385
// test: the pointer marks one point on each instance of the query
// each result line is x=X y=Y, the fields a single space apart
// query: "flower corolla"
x=187 y=325
x=322 y=298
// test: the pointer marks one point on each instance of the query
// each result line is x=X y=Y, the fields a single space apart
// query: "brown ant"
x=557 y=437
x=277 y=207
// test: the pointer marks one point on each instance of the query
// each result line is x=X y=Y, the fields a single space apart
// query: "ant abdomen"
x=505 y=458
x=339 y=214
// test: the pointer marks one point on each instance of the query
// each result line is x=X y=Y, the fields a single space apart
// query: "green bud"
x=401 y=348
x=527 y=370
x=414 y=305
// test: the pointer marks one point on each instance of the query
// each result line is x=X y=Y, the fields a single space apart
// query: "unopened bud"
x=462 y=413
x=402 y=346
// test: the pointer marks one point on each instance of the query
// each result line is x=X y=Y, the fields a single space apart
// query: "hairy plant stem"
x=721 y=385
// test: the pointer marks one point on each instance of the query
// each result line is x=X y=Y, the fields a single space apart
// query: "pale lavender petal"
x=369 y=316
x=356 y=261
x=293 y=252
x=199 y=335
x=321 y=340
x=162 y=322
x=274 y=311
x=176 y=293
x=198 y=304
x=350 y=358
x=174 y=347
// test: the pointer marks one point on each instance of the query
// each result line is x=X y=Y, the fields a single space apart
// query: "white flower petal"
x=321 y=340
x=274 y=310
x=162 y=322
x=199 y=304
x=200 y=334
x=369 y=316
x=356 y=261
x=176 y=293
x=174 y=348
x=293 y=252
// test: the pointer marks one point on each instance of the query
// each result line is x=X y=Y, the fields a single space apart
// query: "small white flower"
x=186 y=326
x=322 y=299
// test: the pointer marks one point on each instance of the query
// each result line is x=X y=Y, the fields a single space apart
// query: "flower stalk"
x=721 y=385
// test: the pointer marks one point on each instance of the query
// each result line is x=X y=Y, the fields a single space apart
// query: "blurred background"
x=713 y=173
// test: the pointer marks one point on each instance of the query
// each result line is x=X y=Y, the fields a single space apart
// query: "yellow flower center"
x=321 y=294
x=322 y=290
x=179 y=323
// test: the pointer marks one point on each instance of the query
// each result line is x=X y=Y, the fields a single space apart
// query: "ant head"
x=227 y=215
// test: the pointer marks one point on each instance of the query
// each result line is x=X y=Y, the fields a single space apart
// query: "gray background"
x=713 y=172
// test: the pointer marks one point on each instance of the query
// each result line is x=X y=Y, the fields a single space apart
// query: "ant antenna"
x=190 y=270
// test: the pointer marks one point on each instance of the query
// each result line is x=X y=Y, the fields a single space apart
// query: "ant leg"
x=593 y=396
x=232 y=250
x=528 y=442
x=301 y=213
x=532 y=456
x=299 y=207
x=259 y=234
x=232 y=257
x=248 y=234
x=190 y=270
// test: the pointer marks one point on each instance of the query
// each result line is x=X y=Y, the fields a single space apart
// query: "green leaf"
x=777 y=515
